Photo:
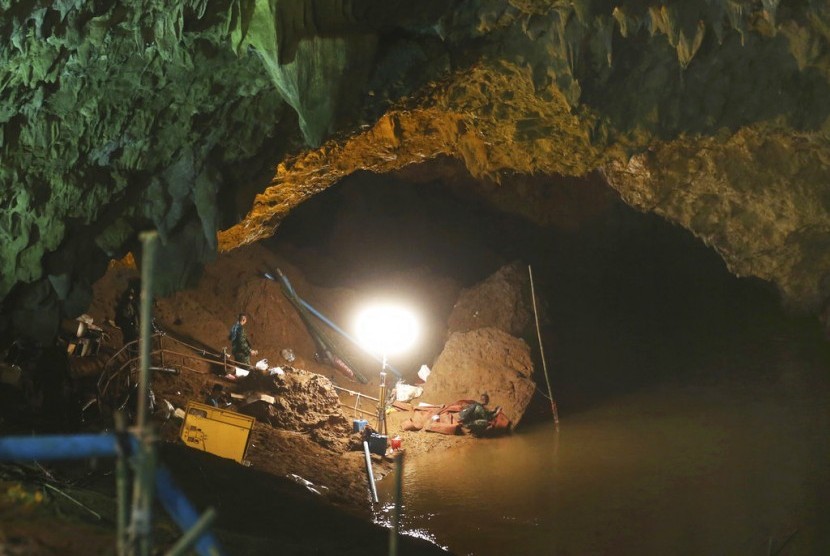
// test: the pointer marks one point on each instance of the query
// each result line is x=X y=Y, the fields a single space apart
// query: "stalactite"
x=558 y=27
x=737 y=18
x=574 y=33
x=715 y=14
x=629 y=24
x=582 y=9
x=199 y=7
x=658 y=20
x=534 y=26
x=686 y=49
x=770 y=9
x=167 y=26
x=604 y=31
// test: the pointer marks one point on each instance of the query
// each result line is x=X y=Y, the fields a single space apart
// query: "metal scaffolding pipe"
x=192 y=535
x=141 y=523
x=148 y=253
x=369 y=471
x=57 y=447
x=382 y=402
x=353 y=393
x=396 y=512
x=184 y=514
x=122 y=483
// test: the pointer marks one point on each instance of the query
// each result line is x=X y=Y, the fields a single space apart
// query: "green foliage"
x=94 y=98
x=317 y=74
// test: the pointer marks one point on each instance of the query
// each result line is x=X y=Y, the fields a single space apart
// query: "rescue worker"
x=127 y=315
x=217 y=397
x=476 y=416
x=240 y=346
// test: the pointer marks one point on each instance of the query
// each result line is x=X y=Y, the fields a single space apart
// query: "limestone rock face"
x=640 y=91
x=760 y=198
x=483 y=360
x=116 y=118
x=119 y=117
x=501 y=301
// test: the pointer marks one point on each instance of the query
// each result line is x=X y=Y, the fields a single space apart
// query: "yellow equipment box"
x=218 y=431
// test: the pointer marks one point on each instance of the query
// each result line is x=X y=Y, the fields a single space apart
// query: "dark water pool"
x=736 y=464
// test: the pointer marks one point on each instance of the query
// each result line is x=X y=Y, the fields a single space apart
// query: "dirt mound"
x=303 y=402
x=303 y=432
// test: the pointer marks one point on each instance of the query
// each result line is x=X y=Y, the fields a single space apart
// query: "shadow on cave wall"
x=631 y=299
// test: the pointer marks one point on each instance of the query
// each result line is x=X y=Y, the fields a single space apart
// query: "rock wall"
x=760 y=198
x=120 y=117
x=675 y=89
x=117 y=118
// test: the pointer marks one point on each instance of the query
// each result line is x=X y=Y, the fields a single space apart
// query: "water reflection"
x=718 y=467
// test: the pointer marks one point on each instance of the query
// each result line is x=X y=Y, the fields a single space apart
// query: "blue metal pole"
x=56 y=447
x=290 y=289
x=183 y=513
x=192 y=535
x=346 y=335
x=80 y=446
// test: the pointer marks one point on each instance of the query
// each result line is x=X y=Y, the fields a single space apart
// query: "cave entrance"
x=629 y=298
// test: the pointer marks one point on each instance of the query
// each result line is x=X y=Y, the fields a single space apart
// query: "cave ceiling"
x=117 y=117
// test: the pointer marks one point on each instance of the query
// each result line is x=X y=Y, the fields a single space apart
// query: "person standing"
x=240 y=346
x=127 y=315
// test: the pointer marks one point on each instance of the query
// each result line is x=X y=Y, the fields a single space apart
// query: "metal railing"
x=122 y=369
x=135 y=450
x=359 y=397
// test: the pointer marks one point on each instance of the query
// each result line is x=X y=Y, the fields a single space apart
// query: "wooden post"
x=541 y=348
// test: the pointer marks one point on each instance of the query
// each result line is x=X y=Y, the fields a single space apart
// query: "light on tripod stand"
x=384 y=330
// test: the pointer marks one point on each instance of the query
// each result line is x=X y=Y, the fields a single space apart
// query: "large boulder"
x=501 y=301
x=484 y=360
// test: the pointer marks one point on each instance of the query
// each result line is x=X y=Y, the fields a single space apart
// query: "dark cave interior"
x=661 y=166
x=628 y=300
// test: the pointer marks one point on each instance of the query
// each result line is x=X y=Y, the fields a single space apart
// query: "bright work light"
x=386 y=329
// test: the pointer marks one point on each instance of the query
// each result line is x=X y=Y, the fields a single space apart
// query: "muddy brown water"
x=712 y=463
